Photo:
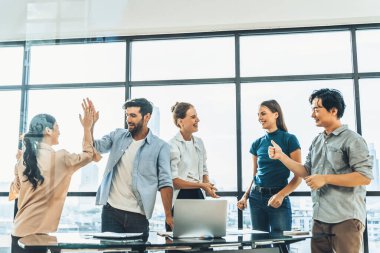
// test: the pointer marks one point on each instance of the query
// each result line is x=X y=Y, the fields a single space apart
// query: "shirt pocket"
x=337 y=160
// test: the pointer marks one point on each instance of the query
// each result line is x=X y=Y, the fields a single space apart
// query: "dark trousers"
x=120 y=221
x=17 y=249
x=186 y=194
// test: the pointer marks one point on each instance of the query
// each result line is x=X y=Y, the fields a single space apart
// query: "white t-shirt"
x=121 y=195
x=193 y=175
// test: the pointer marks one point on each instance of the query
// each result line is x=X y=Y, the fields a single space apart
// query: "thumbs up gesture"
x=275 y=151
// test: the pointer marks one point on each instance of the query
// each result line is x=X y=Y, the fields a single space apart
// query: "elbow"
x=176 y=184
x=367 y=181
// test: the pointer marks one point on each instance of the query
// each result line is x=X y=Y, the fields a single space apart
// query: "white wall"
x=45 y=19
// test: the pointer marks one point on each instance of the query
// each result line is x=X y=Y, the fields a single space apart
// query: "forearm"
x=183 y=184
x=205 y=179
x=297 y=168
x=246 y=194
x=167 y=200
x=293 y=184
x=87 y=136
x=347 y=180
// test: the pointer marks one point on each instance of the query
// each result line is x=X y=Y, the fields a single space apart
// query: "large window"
x=65 y=106
x=296 y=54
x=183 y=59
x=293 y=98
x=217 y=126
x=11 y=65
x=368 y=42
x=86 y=63
x=225 y=76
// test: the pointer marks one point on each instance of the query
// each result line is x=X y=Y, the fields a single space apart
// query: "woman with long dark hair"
x=42 y=175
x=268 y=193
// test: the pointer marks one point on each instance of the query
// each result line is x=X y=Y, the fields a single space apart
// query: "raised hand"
x=96 y=113
x=275 y=151
x=88 y=115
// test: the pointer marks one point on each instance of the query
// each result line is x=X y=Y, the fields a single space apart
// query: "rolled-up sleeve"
x=163 y=167
x=307 y=163
x=359 y=159
x=104 y=144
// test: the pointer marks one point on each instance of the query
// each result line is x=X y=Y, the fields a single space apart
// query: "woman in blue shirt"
x=268 y=193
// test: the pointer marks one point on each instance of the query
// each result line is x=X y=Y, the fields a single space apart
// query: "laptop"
x=205 y=218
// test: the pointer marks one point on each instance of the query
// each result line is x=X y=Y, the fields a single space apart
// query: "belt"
x=267 y=190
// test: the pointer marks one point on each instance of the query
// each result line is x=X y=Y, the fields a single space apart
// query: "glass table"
x=154 y=242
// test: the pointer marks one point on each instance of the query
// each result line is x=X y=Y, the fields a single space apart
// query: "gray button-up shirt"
x=341 y=152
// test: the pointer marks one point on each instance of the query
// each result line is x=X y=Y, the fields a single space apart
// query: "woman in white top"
x=188 y=156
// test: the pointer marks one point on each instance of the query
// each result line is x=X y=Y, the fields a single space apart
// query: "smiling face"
x=135 y=120
x=189 y=123
x=321 y=116
x=267 y=118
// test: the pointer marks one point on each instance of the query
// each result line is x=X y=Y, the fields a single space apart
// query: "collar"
x=339 y=130
x=180 y=138
x=148 y=138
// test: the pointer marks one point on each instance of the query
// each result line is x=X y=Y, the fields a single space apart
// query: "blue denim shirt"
x=151 y=168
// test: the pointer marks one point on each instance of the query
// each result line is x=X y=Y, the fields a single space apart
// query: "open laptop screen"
x=200 y=218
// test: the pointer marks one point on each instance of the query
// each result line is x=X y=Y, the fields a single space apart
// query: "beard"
x=135 y=128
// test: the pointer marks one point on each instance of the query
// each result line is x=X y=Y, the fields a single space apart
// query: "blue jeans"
x=120 y=221
x=267 y=218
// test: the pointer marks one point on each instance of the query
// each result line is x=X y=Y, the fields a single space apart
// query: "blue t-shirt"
x=273 y=173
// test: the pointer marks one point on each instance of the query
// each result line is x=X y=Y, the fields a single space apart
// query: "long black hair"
x=32 y=140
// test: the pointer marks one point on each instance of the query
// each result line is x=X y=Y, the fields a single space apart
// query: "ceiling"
x=52 y=19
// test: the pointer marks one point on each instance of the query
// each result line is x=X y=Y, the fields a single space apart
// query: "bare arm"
x=242 y=203
x=167 y=200
x=294 y=183
x=347 y=180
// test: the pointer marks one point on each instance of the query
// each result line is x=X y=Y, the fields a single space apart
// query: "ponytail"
x=32 y=140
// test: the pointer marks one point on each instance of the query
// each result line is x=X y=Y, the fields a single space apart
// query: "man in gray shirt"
x=337 y=169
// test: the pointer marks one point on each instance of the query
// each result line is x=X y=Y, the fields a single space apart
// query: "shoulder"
x=290 y=136
x=158 y=141
x=352 y=137
x=258 y=141
x=198 y=140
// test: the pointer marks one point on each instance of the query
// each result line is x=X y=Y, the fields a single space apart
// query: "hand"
x=96 y=113
x=316 y=181
x=275 y=151
x=88 y=116
x=210 y=189
x=242 y=203
x=276 y=200
x=169 y=221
